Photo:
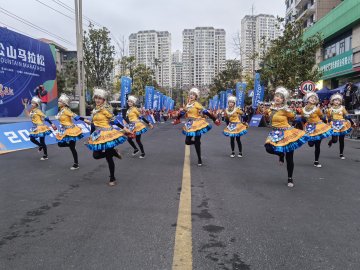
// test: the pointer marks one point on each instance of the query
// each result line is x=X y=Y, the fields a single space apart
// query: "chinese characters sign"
x=25 y=63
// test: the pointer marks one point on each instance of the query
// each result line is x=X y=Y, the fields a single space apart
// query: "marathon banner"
x=125 y=90
x=216 y=102
x=229 y=92
x=156 y=101
x=15 y=136
x=258 y=91
x=222 y=100
x=25 y=64
x=240 y=94
x=149 y=97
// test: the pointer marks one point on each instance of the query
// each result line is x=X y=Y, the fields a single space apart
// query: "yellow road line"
x=183 y=240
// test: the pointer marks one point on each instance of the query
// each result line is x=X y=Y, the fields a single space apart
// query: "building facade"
x=309 y=11
x=176 y=70
x=256 y=32
x=204 y=56
x=339 y=58
x=153 y=49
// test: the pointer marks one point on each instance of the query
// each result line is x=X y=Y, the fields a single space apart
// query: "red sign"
x=307 y=86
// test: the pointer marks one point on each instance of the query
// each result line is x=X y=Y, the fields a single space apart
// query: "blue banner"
x=216 y=102
x=222 y=100
x=16 y=136
x=258 y=91
x=25 y=64
x=229 y=92
x=156 y=102
x=149 y=97
x=125 y=90
x=240 y=94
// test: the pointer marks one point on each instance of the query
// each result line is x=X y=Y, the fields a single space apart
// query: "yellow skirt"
x=287 y=140
x=235 y=129
x=318 y=131
x=104 y=139
x=39 y=131
x=69 y=134
x=341 y=127
x=196 y=127
x=137 y=127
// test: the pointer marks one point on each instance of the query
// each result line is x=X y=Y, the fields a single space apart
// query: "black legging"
x=197 y=143
x=138 y=141
x=232 y=144
x=40 y=144
x=317 y=148
x=334 y=139
x=108 y=154
x=71 y=145
x=289 y=158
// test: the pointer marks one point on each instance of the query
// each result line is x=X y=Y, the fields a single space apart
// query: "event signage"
x=258 y=95
x=125 y=90
x=149 y=97
x=15 y=136
x=240 y=94
x=25 y=64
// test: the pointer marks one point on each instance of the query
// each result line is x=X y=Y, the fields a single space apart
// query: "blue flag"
x=240 y=94
x=125 y=89
x=258 y=91
x=149 y=97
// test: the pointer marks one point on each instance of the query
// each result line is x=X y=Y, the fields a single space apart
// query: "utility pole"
x=80 y=56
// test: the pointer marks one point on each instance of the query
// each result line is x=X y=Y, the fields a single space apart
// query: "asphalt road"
x=243 y=214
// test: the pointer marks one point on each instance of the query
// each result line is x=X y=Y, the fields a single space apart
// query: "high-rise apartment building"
x=153 y=49
x=256 y=32
x=176 y=69
x=309 y=11
x=204 y=56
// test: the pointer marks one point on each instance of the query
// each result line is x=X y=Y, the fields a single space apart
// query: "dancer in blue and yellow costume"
x=284 y=139
x=235 y=128
x=39 y=129
x=135 y=125
x=104 y=138
x=195 y=125
x=314 y=125
x=340 y=122
x=68 y=133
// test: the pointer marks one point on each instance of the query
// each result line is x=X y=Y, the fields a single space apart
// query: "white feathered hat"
x=100 y=93
x=282 y=91
x=133 y=99
x=195 y=91
x=231 y=99
x=64 y=99
x=36 y=100
x=336 y=96
x=309 y=95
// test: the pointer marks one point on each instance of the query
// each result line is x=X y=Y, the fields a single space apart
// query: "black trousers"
x=138 y=141
x=289 y=156
x=334 y=139
x=108 y=154
x=72 y=146
x=317 y=148
x=232 y=144
x=40 y=143
x=197 y=143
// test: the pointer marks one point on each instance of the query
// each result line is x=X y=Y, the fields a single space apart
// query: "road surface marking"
x=183 y=240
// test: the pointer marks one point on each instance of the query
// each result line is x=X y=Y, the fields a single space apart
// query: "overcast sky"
x=130 y=16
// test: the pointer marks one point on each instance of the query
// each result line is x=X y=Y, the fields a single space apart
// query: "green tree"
x=67 y=78
x=142 y=77
x=290 y=59
x=98 y=56
x=227 y=78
